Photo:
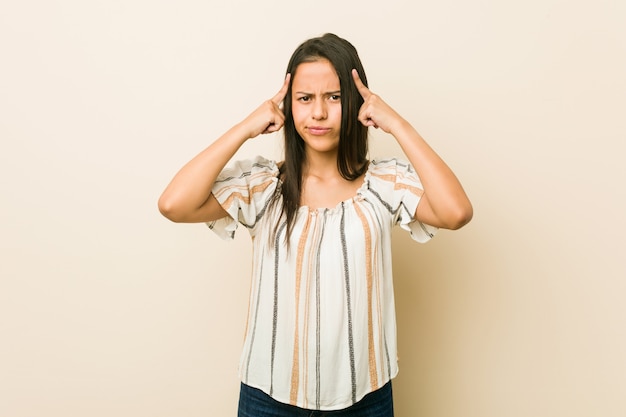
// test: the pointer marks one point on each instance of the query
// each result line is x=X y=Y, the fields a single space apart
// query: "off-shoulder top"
x=321 y=328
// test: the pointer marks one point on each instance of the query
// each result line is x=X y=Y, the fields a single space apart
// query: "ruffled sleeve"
x=399 y=188
x=244 y=189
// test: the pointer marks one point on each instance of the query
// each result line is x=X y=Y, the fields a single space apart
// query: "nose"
x=319 y=110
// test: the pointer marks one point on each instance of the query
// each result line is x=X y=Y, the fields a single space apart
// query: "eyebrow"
x=329 y=93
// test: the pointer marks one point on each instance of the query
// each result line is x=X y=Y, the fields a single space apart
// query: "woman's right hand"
x=188 y=196
x=269 y=116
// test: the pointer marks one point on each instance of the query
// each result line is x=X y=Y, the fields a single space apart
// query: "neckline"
x=349 y=201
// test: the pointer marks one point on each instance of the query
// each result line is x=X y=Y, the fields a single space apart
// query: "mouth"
x=318 y=130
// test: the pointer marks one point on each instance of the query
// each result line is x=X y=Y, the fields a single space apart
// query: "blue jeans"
x=255 y=403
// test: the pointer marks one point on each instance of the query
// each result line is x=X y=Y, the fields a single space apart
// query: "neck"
x=321 y=164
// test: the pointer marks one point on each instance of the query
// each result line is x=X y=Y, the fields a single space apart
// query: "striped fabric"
x=321 y=330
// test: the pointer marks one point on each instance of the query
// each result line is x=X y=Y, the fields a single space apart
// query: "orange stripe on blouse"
x=398 y=185
x=368 y=273
x=244 y=198
x=377 y=284
x=295 y=367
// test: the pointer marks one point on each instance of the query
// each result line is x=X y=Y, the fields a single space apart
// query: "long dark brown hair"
x=352 y=149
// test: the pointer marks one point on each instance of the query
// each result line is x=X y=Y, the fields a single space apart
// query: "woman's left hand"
x=374 y=111
x=444 y=202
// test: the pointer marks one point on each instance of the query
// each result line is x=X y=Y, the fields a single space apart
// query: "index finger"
x=280 y=96
x=363 y=90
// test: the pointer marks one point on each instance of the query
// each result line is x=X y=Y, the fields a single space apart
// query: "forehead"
x=317 y=75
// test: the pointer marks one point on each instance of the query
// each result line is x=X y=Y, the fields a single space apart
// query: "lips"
x=318 y=130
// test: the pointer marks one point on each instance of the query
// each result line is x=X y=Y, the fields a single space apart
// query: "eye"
x=304 y=99
x=335 y=97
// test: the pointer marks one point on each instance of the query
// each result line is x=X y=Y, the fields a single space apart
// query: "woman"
x=321 y=328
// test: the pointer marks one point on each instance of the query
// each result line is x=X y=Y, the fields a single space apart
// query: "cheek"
x=336 y=112
x=297 y=113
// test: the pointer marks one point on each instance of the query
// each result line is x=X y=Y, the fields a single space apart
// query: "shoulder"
x=393 y=177
x=258 y=166
x=389 y=166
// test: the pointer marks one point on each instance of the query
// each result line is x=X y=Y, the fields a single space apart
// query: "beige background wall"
x=108 y=309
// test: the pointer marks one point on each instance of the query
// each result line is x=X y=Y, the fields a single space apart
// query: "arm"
x=444 y=203
x=188 y=196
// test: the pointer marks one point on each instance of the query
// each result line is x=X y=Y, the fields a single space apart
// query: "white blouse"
x=321 y=330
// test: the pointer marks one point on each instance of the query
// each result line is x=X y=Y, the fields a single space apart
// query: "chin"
x=321 y=144
x=322 y=149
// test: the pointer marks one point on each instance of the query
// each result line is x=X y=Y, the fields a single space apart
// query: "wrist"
x=400 y=127
x=242 y=132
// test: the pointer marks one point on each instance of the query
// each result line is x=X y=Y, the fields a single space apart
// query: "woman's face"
x=316 y=105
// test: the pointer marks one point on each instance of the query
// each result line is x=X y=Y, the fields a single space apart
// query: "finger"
x=363 y=90
x=276 y=124
x=280 y=96
x=365 y=120
x=274 y=127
